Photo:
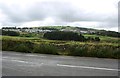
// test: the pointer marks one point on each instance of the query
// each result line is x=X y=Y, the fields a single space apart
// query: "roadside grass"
x=95 y=51
x=71 y=48
x=17 y=45
x=0 y=42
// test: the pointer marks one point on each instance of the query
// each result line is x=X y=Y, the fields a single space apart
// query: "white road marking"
x=4 y=57
x=17 y=54
x=39 y=64
x=88 y=67
x=8 y=58
x=30 y=55
x=42 y=56
x=34 y=55
x=21 y=61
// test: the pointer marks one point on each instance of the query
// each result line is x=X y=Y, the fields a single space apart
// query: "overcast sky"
x=99 y=14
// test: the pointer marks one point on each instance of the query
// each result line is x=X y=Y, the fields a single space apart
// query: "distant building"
x=81 y=31
x=68 y=30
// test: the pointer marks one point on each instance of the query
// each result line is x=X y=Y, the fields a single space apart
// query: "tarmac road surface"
x=26 y=64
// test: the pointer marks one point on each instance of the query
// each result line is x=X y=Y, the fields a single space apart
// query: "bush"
x=22 y=48
x=101 y=51
x=8 y=45
x=93 y=39
x=97 y=39
x=17 y=45
x=45 y=49
x=78 y=51
x=116 y=53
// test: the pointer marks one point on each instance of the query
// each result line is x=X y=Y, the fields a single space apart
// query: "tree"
x=97 y=39
x=93 y=39
x=61 y=35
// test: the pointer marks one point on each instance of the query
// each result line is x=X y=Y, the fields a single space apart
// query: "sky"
x=97 y=14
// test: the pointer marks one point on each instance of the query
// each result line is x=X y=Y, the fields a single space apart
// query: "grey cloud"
x=58 y=10
x=16 y=14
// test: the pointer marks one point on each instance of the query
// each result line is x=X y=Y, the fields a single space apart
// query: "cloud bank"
x=100 y=14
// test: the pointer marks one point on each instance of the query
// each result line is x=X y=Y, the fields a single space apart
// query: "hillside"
x=31 y=40
x=83 y=30
x=65 y=28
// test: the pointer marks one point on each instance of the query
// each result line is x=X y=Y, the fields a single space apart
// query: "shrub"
x=8 y=45
x=101 y=51
x=97 y=39
x=116 y=53
x=17 y=45
x=78 y=51
x=45 y=49
x=92 y=39
x=22 y=48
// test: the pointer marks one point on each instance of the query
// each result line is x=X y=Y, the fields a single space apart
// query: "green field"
x=105 y=38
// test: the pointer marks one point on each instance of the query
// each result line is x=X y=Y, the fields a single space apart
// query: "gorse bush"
x=26 y=46
x=95 y=51
x=78 y=51
x=22 y=48
x=104 y=51
x=117 y=53
x=8 y=45
x=17 y=45
x=45 y=49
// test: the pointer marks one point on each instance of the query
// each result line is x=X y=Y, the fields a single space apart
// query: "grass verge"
x=72 y=48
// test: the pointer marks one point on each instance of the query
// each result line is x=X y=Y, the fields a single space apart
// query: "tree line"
x=10 y=33
x=62 y=35
x=108 y=33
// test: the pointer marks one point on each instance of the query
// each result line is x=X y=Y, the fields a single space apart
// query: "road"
x=26 y=64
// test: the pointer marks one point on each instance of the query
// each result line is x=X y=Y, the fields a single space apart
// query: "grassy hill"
x=87 y=30
x=107 y=47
